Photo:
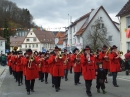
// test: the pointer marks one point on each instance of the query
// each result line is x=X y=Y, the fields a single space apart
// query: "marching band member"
x=19 y=68
x=75 y=58
x=31 y=71
x=66 y=63
x=58 y=69
x=114 y=64
x=41 y=63
x=45 y=67
x=97 y=59
x=88 y=69
x=105 y=59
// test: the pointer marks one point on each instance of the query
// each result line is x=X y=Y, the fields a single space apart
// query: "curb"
x=2 y=72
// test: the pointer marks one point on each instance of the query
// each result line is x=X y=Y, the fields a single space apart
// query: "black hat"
x=29 y=51
x=65 y=50
x=104 y=46
x=114 y=47
x=87 y=48
x=56 y=48
x=75 y=50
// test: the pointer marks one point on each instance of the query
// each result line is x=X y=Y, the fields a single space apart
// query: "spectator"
x=3 y=59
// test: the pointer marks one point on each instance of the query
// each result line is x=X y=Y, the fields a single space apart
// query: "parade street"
x=9 y=88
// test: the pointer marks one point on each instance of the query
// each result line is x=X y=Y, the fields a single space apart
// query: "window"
x=27 y=40
x=36 y=45
x=31 y=33
x=74 y=29
x=74 y=40
x=110 y=38
x=34 y=39
x=25 y=45
x=29 y=45
x=128 y=45
x=128 y=21
x=33 y=45
x=1 y=43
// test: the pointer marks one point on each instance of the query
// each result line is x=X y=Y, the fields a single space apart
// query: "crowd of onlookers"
x=3 y=60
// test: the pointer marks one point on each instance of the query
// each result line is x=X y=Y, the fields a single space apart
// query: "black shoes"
x=46 y=82
x=116 y=86
x=89 y=94
x=78 y=83
x=28 y=93
x=66 y=79
x=75 y=83
x=32 y=91
x=53 y=85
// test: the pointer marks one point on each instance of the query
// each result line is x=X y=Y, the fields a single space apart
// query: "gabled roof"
x=80 y=19
x=125 y=10
x=1 y=38
x=45 y=36
x=60 y=34
x=90 y=19
x=16 y=41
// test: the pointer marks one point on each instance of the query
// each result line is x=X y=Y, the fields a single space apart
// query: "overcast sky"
x=54 y=13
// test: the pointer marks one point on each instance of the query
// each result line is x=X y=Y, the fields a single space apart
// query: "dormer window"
x=27 y=40
x=31 y=33
x=34 y=39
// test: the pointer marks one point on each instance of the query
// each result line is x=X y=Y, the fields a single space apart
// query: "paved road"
x=9 y=88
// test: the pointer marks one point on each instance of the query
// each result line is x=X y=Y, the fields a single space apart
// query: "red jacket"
x=45 y=66
x=32 y=70
x=88 y=69
x=19 y=66
x=106 y=62
x=76 y=66
x=114 y=63
x=9 y=60
x=58 y=68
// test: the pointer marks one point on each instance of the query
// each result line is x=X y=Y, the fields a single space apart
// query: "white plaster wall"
x=2 y=47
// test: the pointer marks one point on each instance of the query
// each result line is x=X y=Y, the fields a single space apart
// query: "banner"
x=39 y=28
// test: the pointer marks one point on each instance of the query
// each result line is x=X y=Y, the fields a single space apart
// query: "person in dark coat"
x=101 y=78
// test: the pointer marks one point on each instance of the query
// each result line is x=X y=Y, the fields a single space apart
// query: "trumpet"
x=66 y=60
x=108 y=50
x=77 y=56
x=31 y=59
x=60 y=55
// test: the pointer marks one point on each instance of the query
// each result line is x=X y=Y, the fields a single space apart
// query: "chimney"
x=92 y=9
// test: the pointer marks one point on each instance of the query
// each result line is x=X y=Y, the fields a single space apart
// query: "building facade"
x=77 y=31
x=38 y=40
x=2 y=45
x=124 y=16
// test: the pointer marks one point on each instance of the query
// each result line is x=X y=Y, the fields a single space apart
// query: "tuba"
x=31 y=59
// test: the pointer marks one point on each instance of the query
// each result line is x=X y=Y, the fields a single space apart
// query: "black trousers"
x=10 y=70
x=57 y=81
x=77 y=77
x=30 y=85
x=100 y=85
x=71 y=69
x=46 y=76
x=114 y=74
x=66 y=73
x=40 y=74
x=88 y=84
x=19 y=77
x=53 y=81
x=106 y=72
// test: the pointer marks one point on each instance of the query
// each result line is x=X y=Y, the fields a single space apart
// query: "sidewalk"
x=2 y=68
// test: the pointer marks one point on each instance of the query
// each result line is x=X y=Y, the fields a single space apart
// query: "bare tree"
x=97 y=36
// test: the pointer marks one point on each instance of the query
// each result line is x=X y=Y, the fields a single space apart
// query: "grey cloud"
x=57 y=10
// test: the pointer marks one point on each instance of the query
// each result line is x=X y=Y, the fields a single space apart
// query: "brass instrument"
x=40 y=65
x=66 y=60
x=60 y=55
x=15 y=48
x=108 y=50
x=31 y=59
x=121 y=53
x=77 y=56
